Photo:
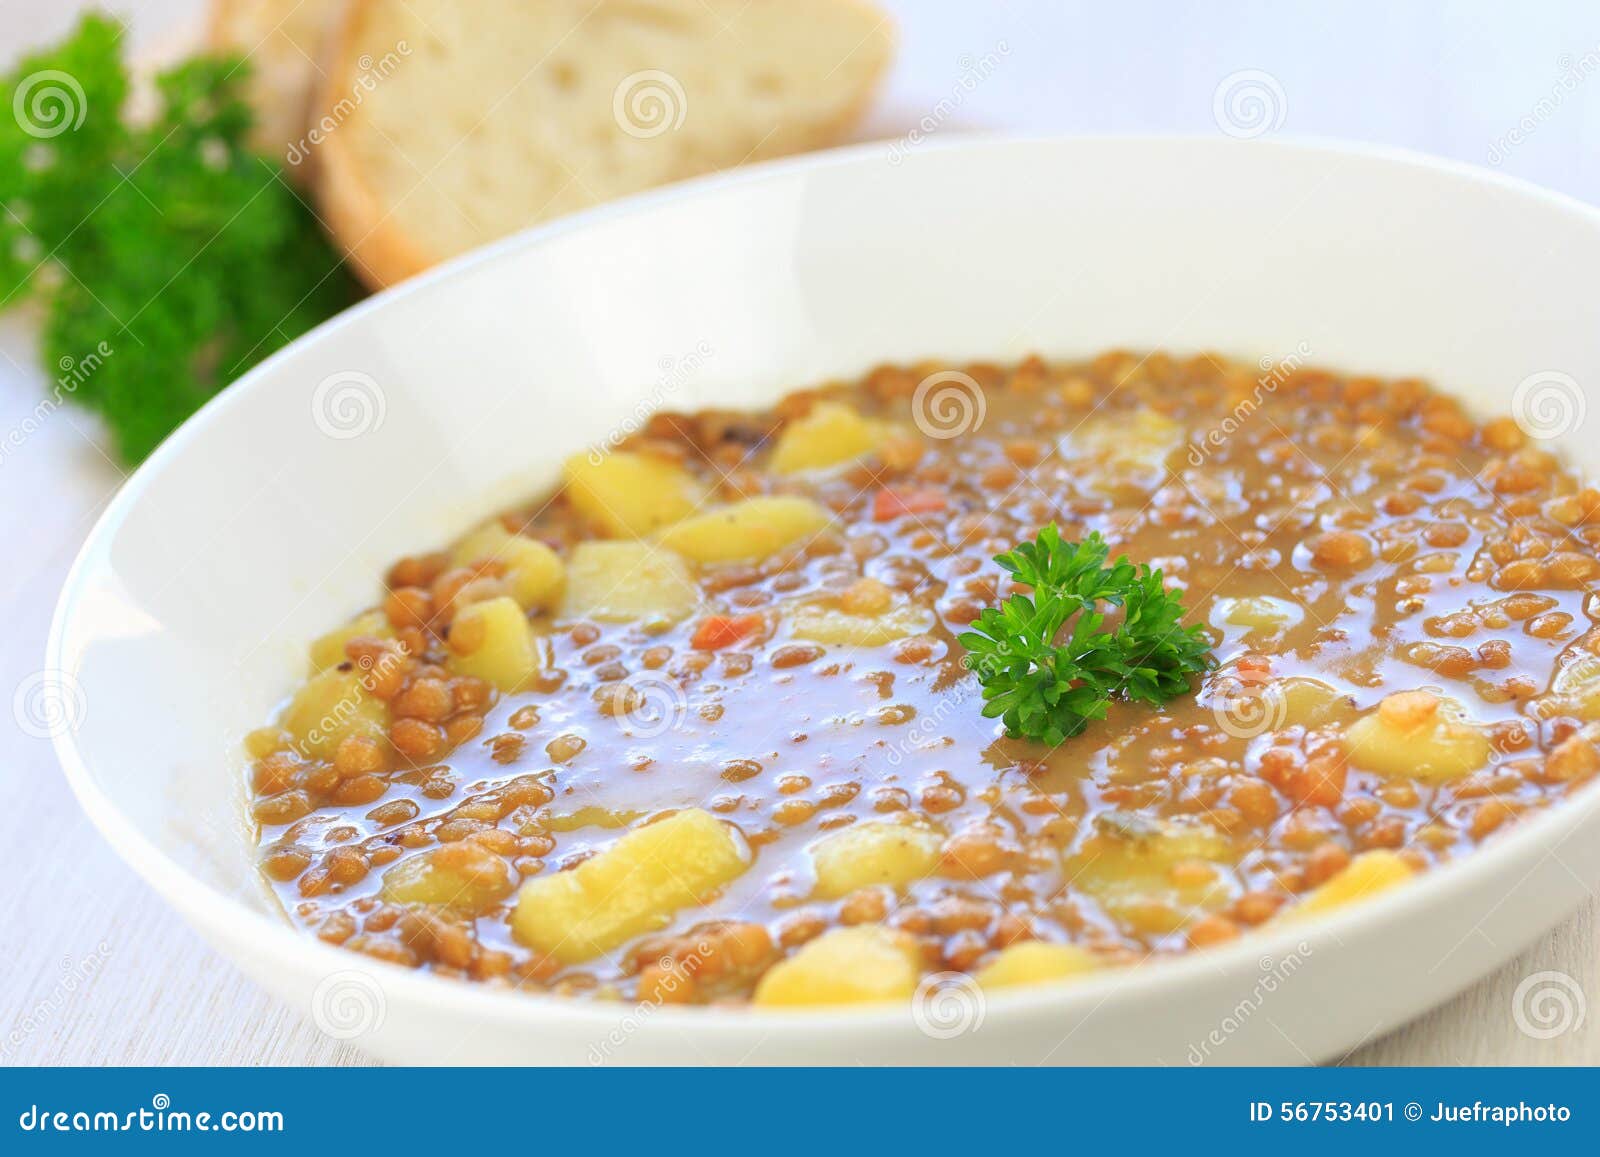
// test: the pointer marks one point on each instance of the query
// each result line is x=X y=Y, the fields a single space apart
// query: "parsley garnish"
x=169 y=258
x=1048 y=689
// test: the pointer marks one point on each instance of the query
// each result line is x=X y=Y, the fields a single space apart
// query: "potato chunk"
x=1153 y=875
x=1138 y=444
x=589 y=816
x=1036 y=962
x=1575 y=691
x=1417 y=734
x=875 y=852
x=464 y=877
x=1362 y=878
x=830 y=434
x=746 y=531
x=1259 y=614
x=533 y=572
x=631 y=495
x=845 y=966
x=632 y=887
x=493 y=641
x=830 y=625
x=618 y=582
x=480 y=544
x=330 y=707
x=1311 y=702
x=328 y=650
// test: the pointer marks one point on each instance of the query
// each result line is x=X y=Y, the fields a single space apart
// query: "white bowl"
x=270 y=516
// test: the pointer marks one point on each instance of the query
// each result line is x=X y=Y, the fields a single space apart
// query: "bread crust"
x=380 y=251
x=380 y=254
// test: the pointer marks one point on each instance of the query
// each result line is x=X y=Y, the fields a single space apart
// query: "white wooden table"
x=98 y=971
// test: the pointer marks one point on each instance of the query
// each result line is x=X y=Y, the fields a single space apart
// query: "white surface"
x=1453 y=80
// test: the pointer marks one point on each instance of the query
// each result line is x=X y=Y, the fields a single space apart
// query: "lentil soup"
x=697 y=727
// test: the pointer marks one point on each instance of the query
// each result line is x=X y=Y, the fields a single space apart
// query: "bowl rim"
x=207 y=907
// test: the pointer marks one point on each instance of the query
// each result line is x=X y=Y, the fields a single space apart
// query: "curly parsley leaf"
x=1047 y=660
x=168 y=257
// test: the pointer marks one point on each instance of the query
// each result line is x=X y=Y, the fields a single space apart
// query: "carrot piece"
x=719 y=631
x=889 y=504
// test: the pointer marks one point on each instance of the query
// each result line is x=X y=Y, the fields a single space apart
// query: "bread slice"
x=282 y=40
x=488 y=118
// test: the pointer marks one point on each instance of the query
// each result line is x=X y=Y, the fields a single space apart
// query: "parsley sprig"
x=167 y=257
x=1047 y=686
